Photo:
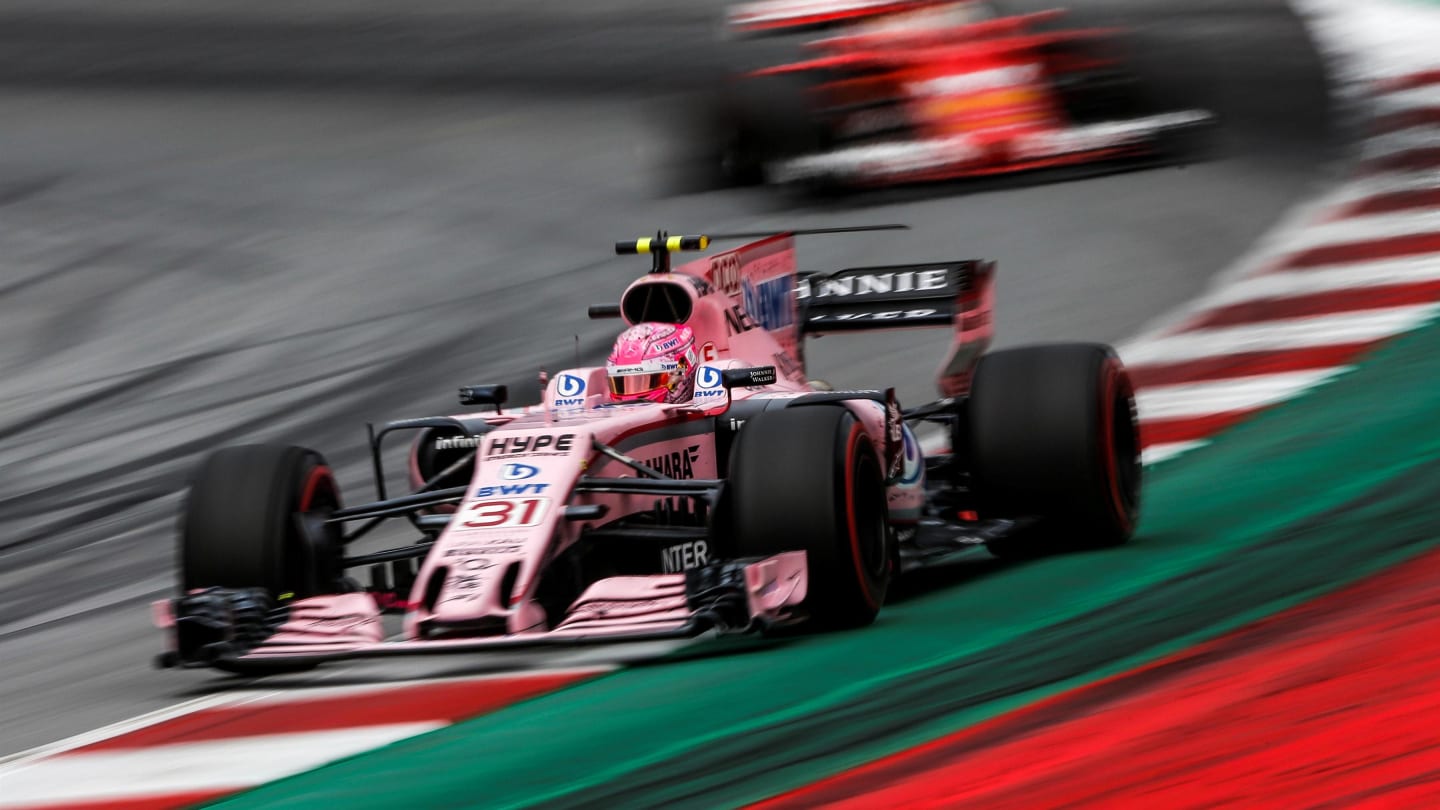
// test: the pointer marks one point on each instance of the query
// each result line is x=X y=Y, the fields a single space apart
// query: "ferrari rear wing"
x=891 y=297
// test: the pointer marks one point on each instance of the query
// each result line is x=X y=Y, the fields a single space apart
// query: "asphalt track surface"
x=233 y=258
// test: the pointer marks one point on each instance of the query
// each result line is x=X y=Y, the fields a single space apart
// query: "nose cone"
x=469 y=601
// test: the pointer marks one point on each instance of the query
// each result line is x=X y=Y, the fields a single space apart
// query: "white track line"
x=267 y=697
x=1297 y=333
x=146 y=720
x=1371 y=40
x=1381 y=184
x=1223 y=396
x=303 y=694
x=1333 y=278
x=18 y=772
x=1159 y=452
x=1361 y=229
x=1401 y=140
x=1258 y=259
x=198 y=766
x=1402 y=100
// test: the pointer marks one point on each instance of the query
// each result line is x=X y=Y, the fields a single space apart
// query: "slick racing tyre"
x=762 y=119
x=1052 y=437
x=255 y=518
x=809 y=479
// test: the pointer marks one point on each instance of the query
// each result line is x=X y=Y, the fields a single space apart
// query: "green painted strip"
x=1228 y=536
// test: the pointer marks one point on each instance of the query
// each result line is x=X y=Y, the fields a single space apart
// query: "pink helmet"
x=654 y=361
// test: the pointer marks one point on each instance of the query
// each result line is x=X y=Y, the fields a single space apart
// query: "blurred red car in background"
x=924 y=90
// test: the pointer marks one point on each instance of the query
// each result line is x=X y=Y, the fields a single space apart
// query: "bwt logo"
x=518 y=472
x=570 y=390
x=708 y=384
x=511 y=489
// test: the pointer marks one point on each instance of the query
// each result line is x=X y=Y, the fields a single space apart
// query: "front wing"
x=243 y=630
x=964 y=155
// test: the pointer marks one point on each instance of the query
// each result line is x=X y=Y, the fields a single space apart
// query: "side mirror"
x=713 y=385
x=748 y=377
x=484 y=395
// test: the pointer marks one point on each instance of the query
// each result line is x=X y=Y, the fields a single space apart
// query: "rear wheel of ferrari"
x=255 y=518
x=764 y=119
x=1052 y=438
x=809 y=479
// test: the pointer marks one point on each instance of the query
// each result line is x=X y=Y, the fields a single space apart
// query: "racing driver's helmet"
x=652 y=361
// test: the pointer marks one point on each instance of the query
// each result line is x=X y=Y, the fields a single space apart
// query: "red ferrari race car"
x=698 y=481
x=920 y=90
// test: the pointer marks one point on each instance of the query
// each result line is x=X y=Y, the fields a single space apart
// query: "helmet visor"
x=629 y=385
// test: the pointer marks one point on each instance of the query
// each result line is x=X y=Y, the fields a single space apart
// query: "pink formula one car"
x=905 y=91
x=748 y=498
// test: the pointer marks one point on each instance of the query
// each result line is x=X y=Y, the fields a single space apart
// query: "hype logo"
x=569 y=390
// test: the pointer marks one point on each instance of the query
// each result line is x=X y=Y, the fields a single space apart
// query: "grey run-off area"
x=240 y=222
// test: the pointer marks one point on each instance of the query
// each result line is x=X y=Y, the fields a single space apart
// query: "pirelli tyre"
x=1099 y=96
x=255 y=518
x=1052 y=440
x=761 y=119
x=809 y=479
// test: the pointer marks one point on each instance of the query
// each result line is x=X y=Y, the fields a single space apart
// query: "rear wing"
x=890 y=297
x=959 y=295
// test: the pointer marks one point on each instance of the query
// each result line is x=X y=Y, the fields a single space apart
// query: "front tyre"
x=255 y=518
x=1053 y=437
x=809 y=479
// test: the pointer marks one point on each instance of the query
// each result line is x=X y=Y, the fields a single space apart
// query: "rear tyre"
x=809 y=479
x=1104 y=96
x=255 y=518
x=1052 y=436
x=762 y=119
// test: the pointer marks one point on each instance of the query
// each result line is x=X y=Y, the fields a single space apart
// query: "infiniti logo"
x=569 y=385
x=518 y=472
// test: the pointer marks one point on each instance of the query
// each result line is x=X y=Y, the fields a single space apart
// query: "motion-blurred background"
x=226 y=221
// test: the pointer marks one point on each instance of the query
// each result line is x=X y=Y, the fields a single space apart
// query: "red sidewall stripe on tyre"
x=318 y=474
x=1109 y=391
x=852 y=450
